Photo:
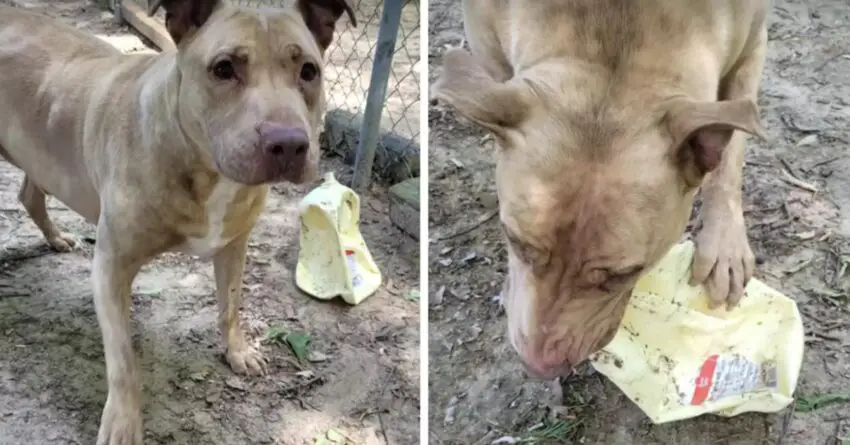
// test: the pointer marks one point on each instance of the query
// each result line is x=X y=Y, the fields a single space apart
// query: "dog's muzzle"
x=282 y=152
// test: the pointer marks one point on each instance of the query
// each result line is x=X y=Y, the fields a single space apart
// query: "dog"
x=609 y=116
x=164 y=152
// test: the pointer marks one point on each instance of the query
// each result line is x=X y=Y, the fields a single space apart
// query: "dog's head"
x=251 y=83
x=590 y=194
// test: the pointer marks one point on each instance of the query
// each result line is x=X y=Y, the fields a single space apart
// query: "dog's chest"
x=229 y=211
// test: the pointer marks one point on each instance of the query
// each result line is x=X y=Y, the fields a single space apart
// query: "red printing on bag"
x=704 y=380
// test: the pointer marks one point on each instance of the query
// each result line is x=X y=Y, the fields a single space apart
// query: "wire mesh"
x=349 y=69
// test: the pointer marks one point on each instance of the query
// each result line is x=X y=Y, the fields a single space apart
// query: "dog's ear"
x=466 y=87
x=702 y=130
x=183 y=17
x=321 y=16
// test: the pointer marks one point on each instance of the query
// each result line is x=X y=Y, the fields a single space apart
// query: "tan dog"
x=609 y=116
x=171 y=151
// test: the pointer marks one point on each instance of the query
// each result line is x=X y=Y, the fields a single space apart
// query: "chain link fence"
x=348 y=72
x=445 y=28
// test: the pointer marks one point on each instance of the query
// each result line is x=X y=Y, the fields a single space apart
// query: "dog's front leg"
x=112 y=278
x=724 y=260
x=228 y=265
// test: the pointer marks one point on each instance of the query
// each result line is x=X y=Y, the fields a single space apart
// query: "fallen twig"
x=788 y=167
x=786 y=420
x=27 y=255
x=790 y=179
x=824 y=336
x=826 y=368
x=828 y=60
x=484 y=218
x=822 y=163
x=380 y=417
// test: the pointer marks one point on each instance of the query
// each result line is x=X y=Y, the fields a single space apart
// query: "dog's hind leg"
x=35 y=203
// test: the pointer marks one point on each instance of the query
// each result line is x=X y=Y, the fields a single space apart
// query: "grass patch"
x=807 y=404
x=560 y=431
x=549 y=431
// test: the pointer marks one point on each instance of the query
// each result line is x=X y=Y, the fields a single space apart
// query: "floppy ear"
x=702 y=130
x=183 y=17
x=466 y=87
x=321 y=16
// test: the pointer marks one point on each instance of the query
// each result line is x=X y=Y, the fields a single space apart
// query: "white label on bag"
x=356 y=279
x=729 y=375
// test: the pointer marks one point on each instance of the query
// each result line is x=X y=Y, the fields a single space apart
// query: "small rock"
x=450 y=412
x=404 y=206
x=474 y=332
x=191 y=280
x=213 y=397
x=203 y=419
x=306 y=374
x=199 y=376
x=316 y=357
x=235 y=383
x=811 y=139
x=437 y=299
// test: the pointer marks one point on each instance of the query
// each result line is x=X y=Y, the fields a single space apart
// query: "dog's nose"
x=545 y=369
x=283 y=141
x=538 y=364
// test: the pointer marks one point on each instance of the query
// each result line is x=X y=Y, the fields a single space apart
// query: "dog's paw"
x=723 y=261
x=62 y=242
x=246 y=360
x=120 y=425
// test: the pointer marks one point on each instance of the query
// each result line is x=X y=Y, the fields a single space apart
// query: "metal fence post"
x=117 y=13
x=375 y=98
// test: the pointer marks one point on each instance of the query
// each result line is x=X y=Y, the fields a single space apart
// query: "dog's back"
x=47 y=70
x=33 y=44
x=610 y=33
x=19 y=26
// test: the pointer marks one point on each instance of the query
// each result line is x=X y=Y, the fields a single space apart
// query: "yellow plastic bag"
x=333 y=259
x=676 y=358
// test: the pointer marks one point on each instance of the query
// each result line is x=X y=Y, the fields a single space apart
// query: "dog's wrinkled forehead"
x=185 y=18
x=590 y=207
x=256 y=34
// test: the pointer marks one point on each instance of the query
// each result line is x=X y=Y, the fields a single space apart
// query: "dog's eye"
x=614 y=280
x=224 y=70
x=526 y=252
x=309 y=71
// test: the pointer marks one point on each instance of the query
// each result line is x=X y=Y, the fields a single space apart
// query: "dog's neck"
x=166 y=137
x=159 y=92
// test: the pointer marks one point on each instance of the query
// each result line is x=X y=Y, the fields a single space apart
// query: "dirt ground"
x=361 y=379
x=478 y=390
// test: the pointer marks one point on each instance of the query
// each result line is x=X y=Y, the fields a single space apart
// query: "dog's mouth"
x=548 y=354
x=262 y=170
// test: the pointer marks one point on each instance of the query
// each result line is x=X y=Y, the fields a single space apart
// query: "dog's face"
x=255 y=77
x=590 y=196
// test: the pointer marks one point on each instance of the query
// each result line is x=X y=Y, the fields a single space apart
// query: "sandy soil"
x=478 y=391
x=363 y=380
